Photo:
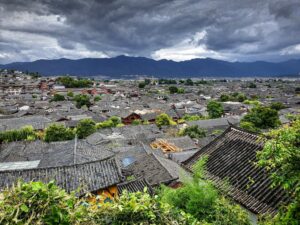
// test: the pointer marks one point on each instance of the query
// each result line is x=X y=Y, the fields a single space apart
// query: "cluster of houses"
x=133 y=157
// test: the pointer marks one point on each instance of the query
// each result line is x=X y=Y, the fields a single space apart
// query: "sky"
x=232 y=30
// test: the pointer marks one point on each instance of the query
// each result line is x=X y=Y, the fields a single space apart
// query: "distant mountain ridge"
x=121 y=66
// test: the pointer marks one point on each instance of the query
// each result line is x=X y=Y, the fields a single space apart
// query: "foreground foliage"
x=199 y=198
x=25 y=133
x=38 y=203
x=281 y=156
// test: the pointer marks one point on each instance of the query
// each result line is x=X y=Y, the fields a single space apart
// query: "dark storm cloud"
x=247 y=30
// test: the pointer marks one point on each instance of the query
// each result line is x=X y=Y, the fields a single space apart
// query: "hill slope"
x=122 y=65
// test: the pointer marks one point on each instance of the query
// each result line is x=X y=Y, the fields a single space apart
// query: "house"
x=85 y=177
x=128 y=118
x=37 y=122
x=231 y=165
x=211 y=125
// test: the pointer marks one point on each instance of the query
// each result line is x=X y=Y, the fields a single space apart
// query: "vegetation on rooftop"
x=70 y=82
x=262 y=117
x=215 y=109
x=164 y=120
x=193 y=132
x=57 y=97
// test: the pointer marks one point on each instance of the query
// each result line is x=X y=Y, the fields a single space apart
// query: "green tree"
x=252 y=85
x=164 y=120
x=215 y=109
x=224 y=98
x=199 y=198
x=25 y=133
x=57 y=132
x=85 y=128
x=97 y=98
x=173 y=89
x=249 y=127
x=82 y=100
x=277 y=106
x=142 y=85
x=70 y=94
x=57 y=98
x=193 y=132
x=38 y=203
x=281 y=157
x=262 y=117
x=189 y=82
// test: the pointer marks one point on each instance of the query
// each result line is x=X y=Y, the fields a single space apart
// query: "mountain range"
x=123 y=66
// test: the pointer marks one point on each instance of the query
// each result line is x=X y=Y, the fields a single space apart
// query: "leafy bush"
x=252 y=102
x=97 y=98
x=277 y=106
x=164 y=120
x=252 y=85
x=38 y=203
x=70 y=82
x=85 y=128
x=57 y=132
x=136 y=122
x=262 y=117
x=188 y=117
x=199 y=198
x=113 y=121
x=25 y=133
x=173 y=89
x=57 y=98
x=249 y=127
x=215 y=109
x=82 y=100
x=193 y=132
x=70 y=94
x=142 y=85
x=140 y=208
x=281 y=157
x=235 y=97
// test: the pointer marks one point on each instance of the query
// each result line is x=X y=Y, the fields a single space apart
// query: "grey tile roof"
x=19 y=165
x=232 y=157
x=38 y=122
x=89 y=177
x=135 y=186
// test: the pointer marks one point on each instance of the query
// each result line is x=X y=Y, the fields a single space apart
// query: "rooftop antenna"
x=75 y=147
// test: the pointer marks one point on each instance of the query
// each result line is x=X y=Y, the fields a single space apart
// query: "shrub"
x=70 y=94
x=25 y=133
x=97 y=98
x=262 y=117
x=193 y=132
x=142 y=85
x=199 y=198
x=57 y=98
x=140 y=208
x=70 y=82
x=85 y=128
x=57 y=132
x=252 y=85
x=164 y=120
x=188 y=117
x=136 y=122
x=252 y=102
x=173 y=89
x=249 y=127
x=277 y=106
x=38 y=203
x=82 y=100
x=224 y=98
x=215 y=109
x=113 y=121
x=280 y=156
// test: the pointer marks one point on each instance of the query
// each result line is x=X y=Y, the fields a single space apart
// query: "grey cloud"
x=247 y=29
